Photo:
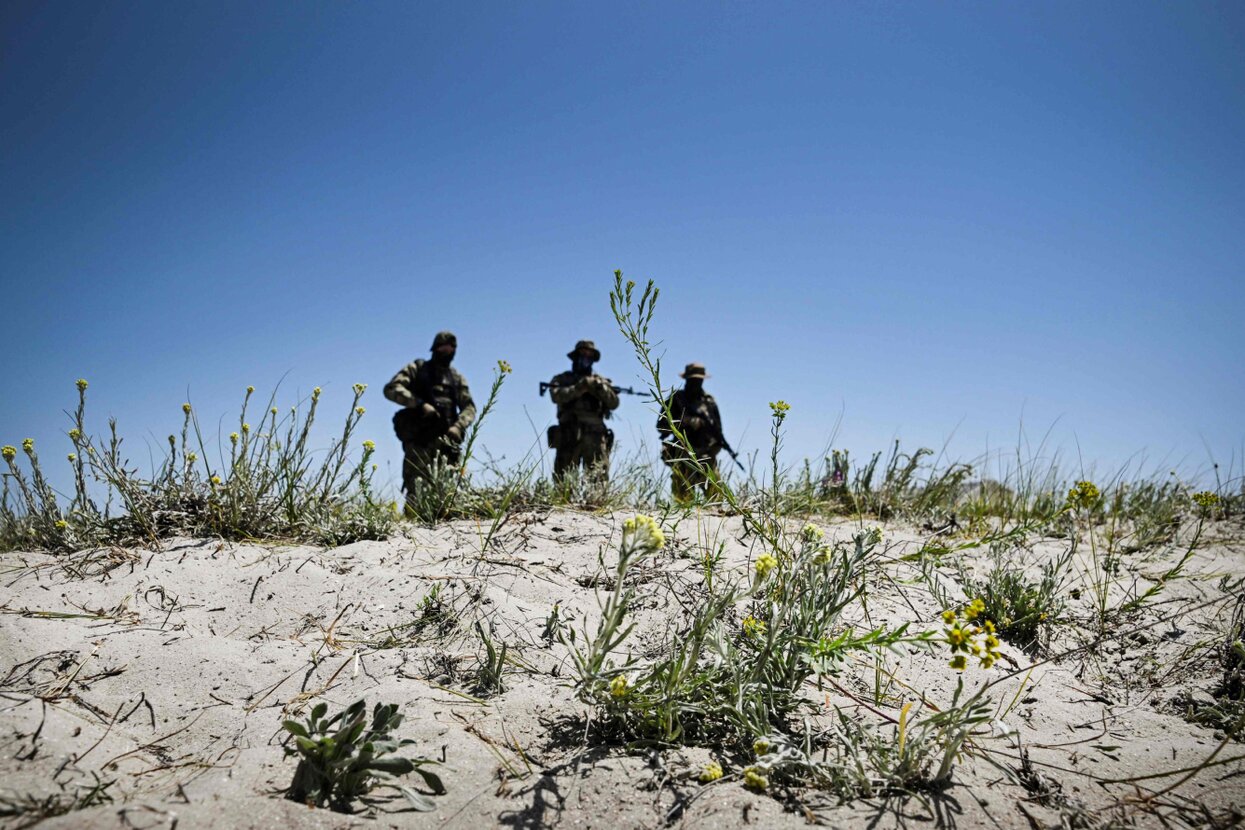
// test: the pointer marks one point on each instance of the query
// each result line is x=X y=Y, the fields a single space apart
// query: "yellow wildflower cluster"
x=72 y=457
x=765 y=563
x=192 y=457
x=315 y=393
x=503 y=367
x=1084 y=494
x=246 y=427
x=1206 y=499
x=250 y=390
x=780 y=409
x=812 y=533
x=619 y=687
x=81 y=384
x=215 y=480
x=753 y=627
x=28 y=444
x=643 y=532
x=75 y=434
x=233 y=437
x=9 y=452
x=369 y=446
x=711 y=772
x=761 y=746
x=975 y=636
x=273 y=411
x=61 y=524
x=359 y=410
x=186 y=408
x=754 y=779
x=359 y=388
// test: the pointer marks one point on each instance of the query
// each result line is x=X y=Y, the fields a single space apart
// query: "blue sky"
x=929 y=222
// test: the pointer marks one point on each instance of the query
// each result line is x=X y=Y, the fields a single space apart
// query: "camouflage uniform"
x=584 y=402
x=437 y=409
x=696 y=414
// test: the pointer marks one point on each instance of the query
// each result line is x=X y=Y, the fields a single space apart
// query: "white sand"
x=176 y=681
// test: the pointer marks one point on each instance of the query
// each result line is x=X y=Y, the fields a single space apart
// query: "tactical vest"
x=440 y=390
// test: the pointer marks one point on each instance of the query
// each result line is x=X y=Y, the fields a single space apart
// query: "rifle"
x=734 y=455
x=618 y=390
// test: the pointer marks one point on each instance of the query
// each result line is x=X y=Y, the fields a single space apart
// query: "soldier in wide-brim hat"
x=585 y=400
x=695 y=414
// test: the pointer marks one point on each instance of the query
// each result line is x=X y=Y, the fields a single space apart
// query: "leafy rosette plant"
x=342 y=758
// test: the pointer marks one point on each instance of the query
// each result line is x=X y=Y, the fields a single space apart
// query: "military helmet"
x=695 y=370
x=585 y=346
x=445 y=338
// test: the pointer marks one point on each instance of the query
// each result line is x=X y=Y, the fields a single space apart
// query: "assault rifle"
x=618 y=390
x=734 y=455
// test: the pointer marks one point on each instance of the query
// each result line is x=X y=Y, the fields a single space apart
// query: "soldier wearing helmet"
x=436 y=411
x=585 y=401
x=695 y=413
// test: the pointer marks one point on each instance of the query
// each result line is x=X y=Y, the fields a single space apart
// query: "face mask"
x=695 y=385
x=442 y=359
x=583 y=365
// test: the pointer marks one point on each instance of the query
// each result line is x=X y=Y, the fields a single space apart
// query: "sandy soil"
x=169 y=671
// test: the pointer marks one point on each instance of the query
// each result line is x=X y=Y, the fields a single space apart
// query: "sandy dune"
x=168 y=672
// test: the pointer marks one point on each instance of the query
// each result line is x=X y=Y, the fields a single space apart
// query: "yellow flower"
x=359 y=410
x=315 y=393
x=81 y=384
x=992 y=642
x=711 y=772
x=974 y=609
x=761 y=746
x=216 y=479
x=246 y=427
x=186 y=408
x=812 y=533
x=764 y=564
x=957 y=637
x=75 y=434
x=1084 y=494
x=780 y=409
x=369 y=446
x=987 y=662
x=61 y=524
x=618 y=687
x=233 y=437
x=73 y=456
x=959 y=662
x=989 y=626
x=754 y=779
x=273 y=410
x=192 y=457
x=250 y=390
x=948 y=616
x=644 y=532
x=504 y=368
x=28 y=444
x=753 y=626
x=8 y=452
x=359 y=388
x=1206 y=499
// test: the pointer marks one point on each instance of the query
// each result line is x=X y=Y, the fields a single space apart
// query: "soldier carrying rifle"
x=585 y=401
x=437 y=409
x=696 y=415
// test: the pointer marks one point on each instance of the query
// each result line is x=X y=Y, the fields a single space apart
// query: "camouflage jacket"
x=422 y=381
x=698 y=418
x=583 y=400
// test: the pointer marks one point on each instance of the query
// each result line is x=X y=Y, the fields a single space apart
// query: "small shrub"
x=342 y=758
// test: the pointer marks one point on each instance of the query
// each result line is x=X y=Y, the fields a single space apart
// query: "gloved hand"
x=454 y=434
x=427 y=410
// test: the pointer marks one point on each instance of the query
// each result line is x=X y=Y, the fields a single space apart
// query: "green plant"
x=342 y=758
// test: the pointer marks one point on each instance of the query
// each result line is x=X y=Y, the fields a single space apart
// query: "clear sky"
x=933 y=222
